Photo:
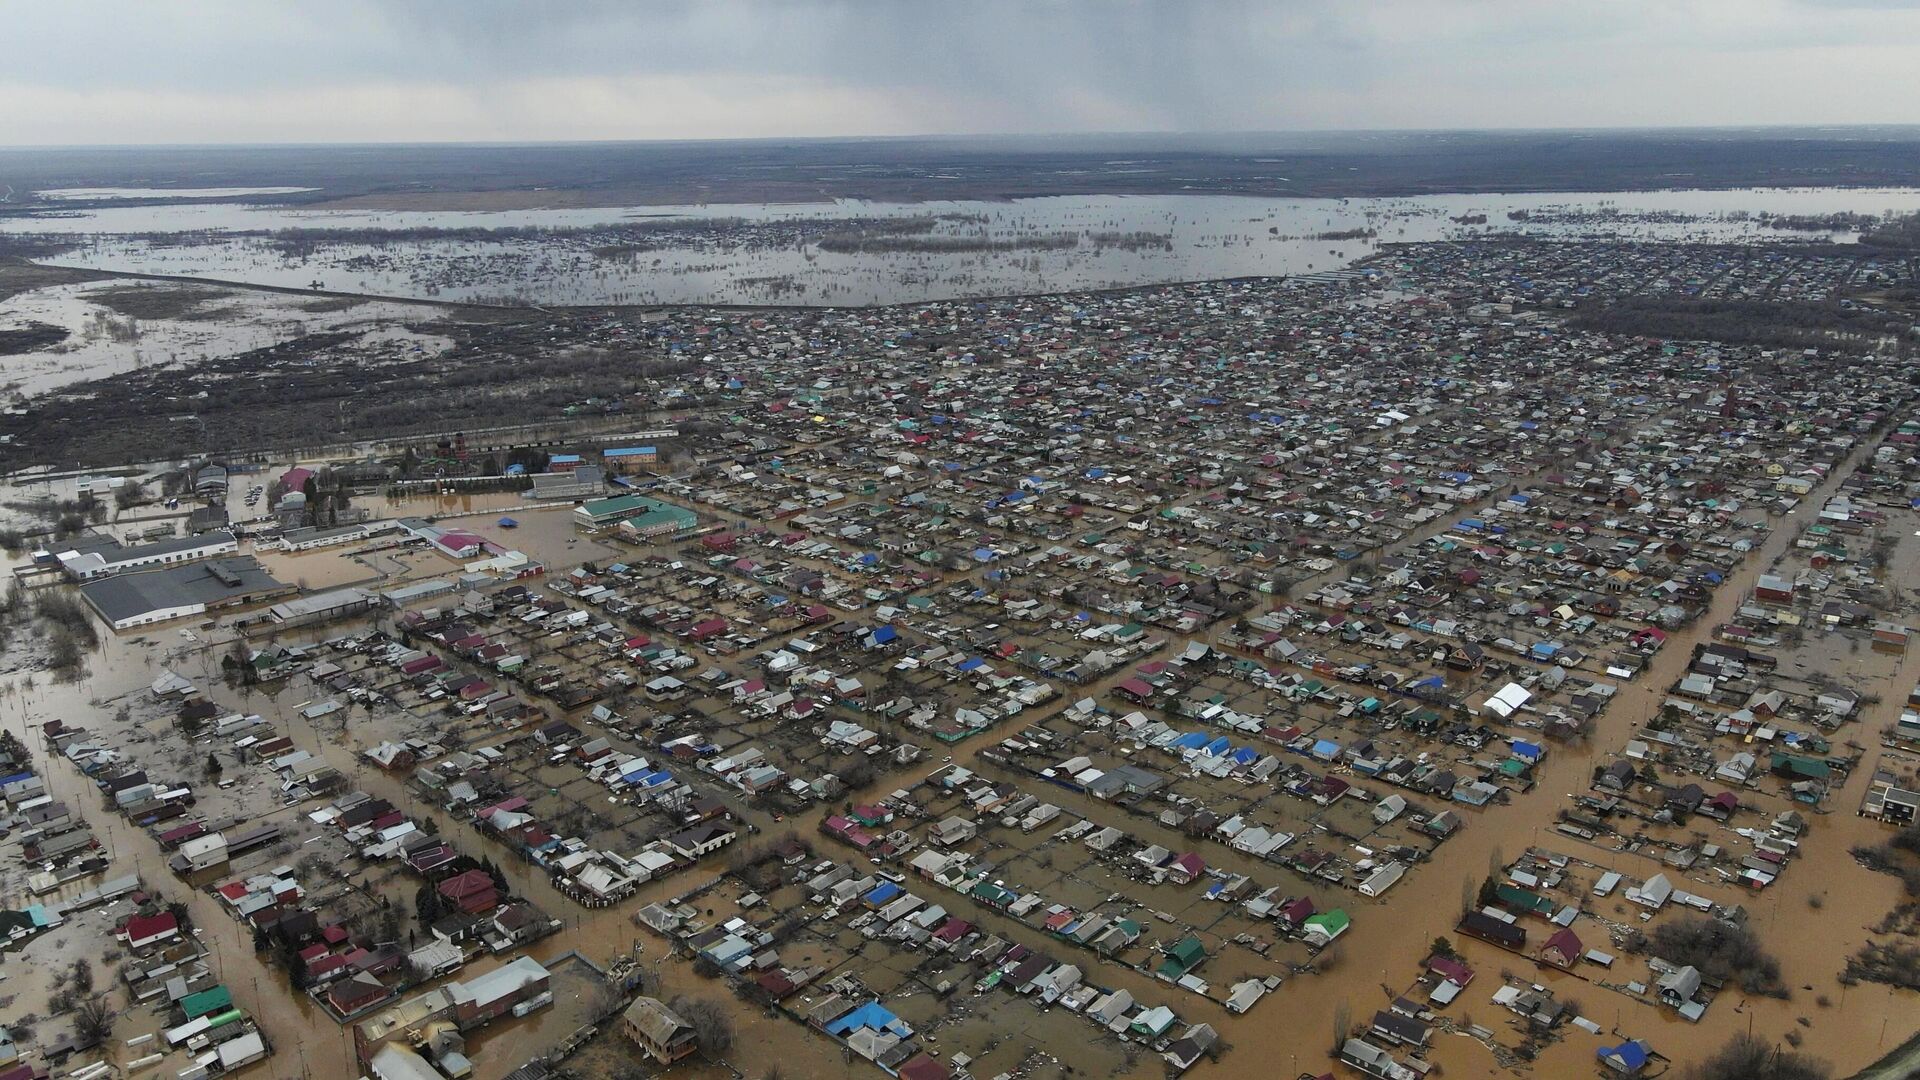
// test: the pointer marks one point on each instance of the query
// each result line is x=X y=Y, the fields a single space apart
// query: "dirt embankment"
x=18 y=276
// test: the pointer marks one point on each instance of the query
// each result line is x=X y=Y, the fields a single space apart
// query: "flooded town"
x=584 y=543
x=1476 y=659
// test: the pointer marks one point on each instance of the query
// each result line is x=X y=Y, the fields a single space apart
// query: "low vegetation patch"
x=1721 y=951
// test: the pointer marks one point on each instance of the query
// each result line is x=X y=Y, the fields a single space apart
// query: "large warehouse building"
x=124 y=601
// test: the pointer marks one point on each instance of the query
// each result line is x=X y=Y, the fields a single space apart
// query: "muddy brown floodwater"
x=1388 y=938
x=1285 y=1036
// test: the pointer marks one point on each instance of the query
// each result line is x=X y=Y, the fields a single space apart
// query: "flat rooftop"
x=129 y=596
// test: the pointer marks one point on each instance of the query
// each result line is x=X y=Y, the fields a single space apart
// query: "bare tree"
x=93 y=1023
x=1748 y=1058
x=711 y=1022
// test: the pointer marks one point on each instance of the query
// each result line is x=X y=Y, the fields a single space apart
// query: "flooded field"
x=106 y=328
x=851 y=252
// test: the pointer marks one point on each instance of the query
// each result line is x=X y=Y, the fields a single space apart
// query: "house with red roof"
x=1563 y=949
x=1186 y=868
x=1450 y=969
x=1294 y=913
x=472 y=892
x=351 y=996
x=144 y=931
x=952 y=931
x=924 y=1067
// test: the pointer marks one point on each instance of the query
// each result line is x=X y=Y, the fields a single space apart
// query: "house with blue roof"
x=872 y=1016
x=1627 y=1059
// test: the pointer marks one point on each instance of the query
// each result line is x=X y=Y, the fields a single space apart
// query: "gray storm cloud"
x=126 y=71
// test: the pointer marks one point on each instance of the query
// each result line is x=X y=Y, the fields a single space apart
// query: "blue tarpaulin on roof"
x=1192 y=740
x=972 y=664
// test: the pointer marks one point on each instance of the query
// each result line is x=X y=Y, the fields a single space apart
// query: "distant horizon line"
x=1913 y=128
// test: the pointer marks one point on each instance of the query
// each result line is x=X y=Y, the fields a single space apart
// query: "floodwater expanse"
x=767 y=253
x=102 y=343
x=91 y=194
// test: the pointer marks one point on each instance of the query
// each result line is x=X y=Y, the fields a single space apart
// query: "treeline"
x=865 y=243
x=300 y=243
x=35 y=245
x=1775 y=324
x=1900 y=233
x=1841 y=222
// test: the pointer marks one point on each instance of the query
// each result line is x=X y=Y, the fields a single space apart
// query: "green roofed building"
x=1516 y=897
x=1804 y=767
x=1182 y=958
x=1321 y=929
x=218 y=999
x=645 y=516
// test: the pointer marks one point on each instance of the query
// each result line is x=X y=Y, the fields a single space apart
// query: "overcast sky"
x=135 y=71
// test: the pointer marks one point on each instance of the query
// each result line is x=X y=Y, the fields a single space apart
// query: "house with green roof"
x=217 y=999
x=1323 y=928
x=1805 y=768
x=1185 y=955
x=992 y=895
x=1522 y=900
